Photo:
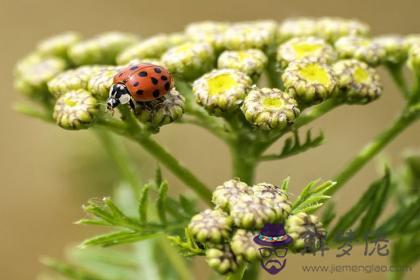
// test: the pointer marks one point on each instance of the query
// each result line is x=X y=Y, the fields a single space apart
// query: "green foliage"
x=187 y=247
x=312 y=197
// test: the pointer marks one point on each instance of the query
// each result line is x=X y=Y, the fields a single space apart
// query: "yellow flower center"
x=361 y=75
x=243 y=55
x=304 y=49
x=183 y=48
x=272 y=102
x=221 y=83
x=315 y=73
x=70 y=102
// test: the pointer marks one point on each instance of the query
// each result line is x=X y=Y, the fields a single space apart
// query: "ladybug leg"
x=132 y=105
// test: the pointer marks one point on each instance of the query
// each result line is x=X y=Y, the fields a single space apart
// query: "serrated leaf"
x=161 y=202
x=328 y=215
x=117 y=238
x=310 y=208
x=94 y=222
x=188 y=205
x=158 y=176
x=143 y=203
x=312 y=197
x=70 y=271
x=285 y=184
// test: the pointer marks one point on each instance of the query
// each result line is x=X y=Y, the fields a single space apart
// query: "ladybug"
x=139 y=83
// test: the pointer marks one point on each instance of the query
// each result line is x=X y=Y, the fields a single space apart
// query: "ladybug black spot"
x=136 y=84
x=140 y=92
x=154 y=81
x=167 y=85
x=156 y=93
x=143 y=74
x=158 y=70
x=134 y=67
x=122 y=73
x=163 y=78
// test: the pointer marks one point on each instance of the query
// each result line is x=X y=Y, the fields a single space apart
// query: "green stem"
x=397 y=75
x=252 y=271
x=369 y=151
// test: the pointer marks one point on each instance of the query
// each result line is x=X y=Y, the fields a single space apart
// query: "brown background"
x=41 y=164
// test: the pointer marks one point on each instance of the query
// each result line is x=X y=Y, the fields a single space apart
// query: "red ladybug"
x=139 y=83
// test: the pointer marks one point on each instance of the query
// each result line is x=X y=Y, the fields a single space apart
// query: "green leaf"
x=158 y=176
x=285 y=184
x=312 y=197
x=143 y=203
x=187 y=248
x=328 y=215
x=188 y=205
x=161 y=202
x=70 y=271
x=117 y=238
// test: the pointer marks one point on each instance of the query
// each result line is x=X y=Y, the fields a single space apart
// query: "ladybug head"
x=118 y=94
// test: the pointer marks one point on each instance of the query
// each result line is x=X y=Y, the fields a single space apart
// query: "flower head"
x=250 y=35
x=410 y=41
x=152 y=47
x=243 y=245
x=414 y=59
x=296 y=27
x=358 y=82
x=72 y=79
x=101 y=81
x=333 y=28
x=164 y=110
x=306 y=230
x=251 y=61
x=304 y=47
x=101 y=49
x=189 y=60
x=221 y=90
x=275 y=197
x=222 y=259
x=270 y=108
x=210 y=226
x=360 y=48
x=75 y=109
x=250 y=212
x=207 y=31
x=58 y=45
x=229 y=193
x=311 y=81
x=393 y=45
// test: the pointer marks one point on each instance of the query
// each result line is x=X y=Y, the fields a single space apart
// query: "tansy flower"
x=252 y=61
x=360 y=48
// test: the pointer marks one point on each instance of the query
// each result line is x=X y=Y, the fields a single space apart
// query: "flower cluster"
x=227 y=231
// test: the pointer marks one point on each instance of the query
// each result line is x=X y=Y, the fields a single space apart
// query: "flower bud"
x=270 y=108
x=189 y=60
x=304 y=47
x=75 y=110
x=296 y=27
x=221 y=90
x=250 y=212
x=101 y=49
x=357 y=82
x=207 y=31
x=333 y=28
x=101 y=81
x=222 y=259
x=250 y=35
x=229 y=193
x=212 y=226
x=275 y=197
x=360 y=48
x=243 y=245
x=410 y=41
x=58 y=45
x=309 y=80
x=414 y=59
x=152 y=47
x=164 y=110
x=306 y=230
x=393 y=45
x=252 y=62
x=72 y=79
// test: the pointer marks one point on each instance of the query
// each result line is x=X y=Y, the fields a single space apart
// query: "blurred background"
x=43 y=168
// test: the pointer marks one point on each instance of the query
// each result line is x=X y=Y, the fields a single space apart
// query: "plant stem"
x=369 y=151
x=397 y=75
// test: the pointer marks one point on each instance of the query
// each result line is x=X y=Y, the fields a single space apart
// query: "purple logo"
x=274 y=241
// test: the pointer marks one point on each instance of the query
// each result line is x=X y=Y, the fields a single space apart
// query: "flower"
x=207 y=31
x=360 y=48
x=269 y=108
x=34 y=72
x=309 y=80
x=72 y=79
x=189 y=60
x=243 y=245
x=250 y=35
x=275 y=197
x=222 y=259
x=250 y=212
x=100 y=82
x=303 y=47
x=58 y=45
x=252 y=61
x=75 y=109
x=212 y=226
x=152 y=47
x=411 y=40
x=101 y=49
x=393 y=45
x=296 y=27
x=414 y=59
x=306 y=230
x=333 y=28
x=164 y=110
x=229 y=193
x=358 y=83
x=221 y=90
